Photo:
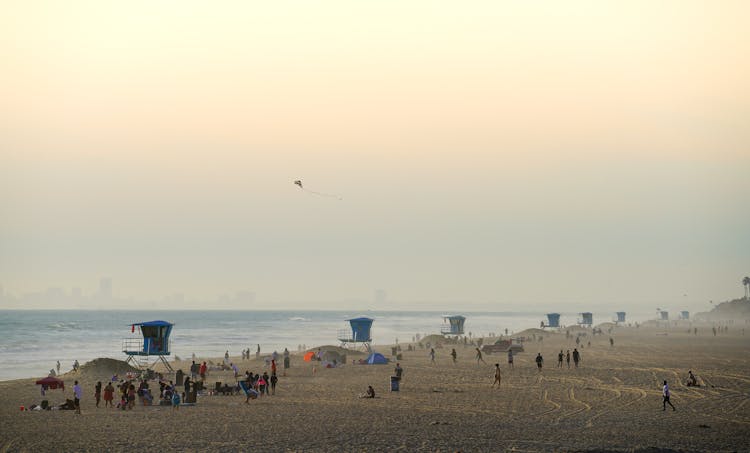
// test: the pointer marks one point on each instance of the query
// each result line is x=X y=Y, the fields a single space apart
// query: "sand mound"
x=530 y=332
x=433 y=339
x=338 y=349
x=105 y=367
x=577 y=329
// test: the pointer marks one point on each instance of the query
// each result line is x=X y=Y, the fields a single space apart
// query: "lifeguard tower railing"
x=452 y=325
x=347 y=336
x=142 y=346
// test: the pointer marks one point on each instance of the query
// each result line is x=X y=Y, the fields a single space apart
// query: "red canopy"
x=51 y=382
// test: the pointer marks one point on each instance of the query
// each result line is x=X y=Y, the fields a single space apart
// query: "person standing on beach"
x=567 y=357
x=576 y=356
x=98 y=392
x=77 y=394
x=510 y=357
x=559 y=359
x=498 y=376
x=399 y=371
x=257 y=352
x=202 y=371
x=274 y=381
x=539 y=361
x=109 y=394
x=58 y=367
x=454 y=355
x=479 y=356
x=286 y=361
x=432 y=355
x=665 y=393
x=194 y=370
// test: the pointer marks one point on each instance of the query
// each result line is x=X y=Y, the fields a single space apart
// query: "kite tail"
x=322 y=194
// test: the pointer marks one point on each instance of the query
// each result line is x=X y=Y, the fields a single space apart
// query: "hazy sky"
x=503 y=153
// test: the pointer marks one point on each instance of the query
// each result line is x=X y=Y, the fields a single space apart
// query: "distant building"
x=245 y=297
x=105 y=288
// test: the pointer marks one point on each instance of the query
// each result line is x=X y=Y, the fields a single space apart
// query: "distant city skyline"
x=104 y=297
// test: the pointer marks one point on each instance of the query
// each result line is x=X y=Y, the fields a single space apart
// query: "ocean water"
x=32 y=341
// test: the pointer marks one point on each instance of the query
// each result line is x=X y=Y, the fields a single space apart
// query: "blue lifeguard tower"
x=453 y=325
x=663 y=315
x=358 y=333
x=685 y=315
x=553 y=320
x=619 y=317
x=155 y=342
x=586 y=319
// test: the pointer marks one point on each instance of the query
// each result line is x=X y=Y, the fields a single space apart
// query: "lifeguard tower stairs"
x=358 y=334
x=153 y=343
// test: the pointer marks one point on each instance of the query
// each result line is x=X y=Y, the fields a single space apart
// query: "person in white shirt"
x=665 y=394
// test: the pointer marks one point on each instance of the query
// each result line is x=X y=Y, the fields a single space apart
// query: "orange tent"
x=309 y=356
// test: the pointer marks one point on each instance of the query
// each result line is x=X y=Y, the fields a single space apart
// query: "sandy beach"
x=611 y=403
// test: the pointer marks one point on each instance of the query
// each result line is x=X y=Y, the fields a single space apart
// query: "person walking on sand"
x=432 y=355
x=539 y=361
x=559 y=359
x=498 y=376
x=665 y=393
x=567 y=357
x=479 y=357
x=510 y=357
x=78 y=393
x=576 y=356
x=454 y=355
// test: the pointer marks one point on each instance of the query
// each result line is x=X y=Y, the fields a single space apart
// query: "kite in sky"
x=298 y=182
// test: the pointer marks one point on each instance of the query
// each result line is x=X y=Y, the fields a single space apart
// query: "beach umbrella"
x=51 y=383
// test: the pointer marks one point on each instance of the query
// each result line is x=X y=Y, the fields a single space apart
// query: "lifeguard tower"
x=685 y=315
x=553 y=320
x=663 y=315
x=453 y=325
x=357 y=334
x=619 y=317
x=586 y=319
x=155 y=342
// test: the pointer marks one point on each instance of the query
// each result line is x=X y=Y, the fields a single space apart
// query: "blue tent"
x=376 y=358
